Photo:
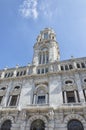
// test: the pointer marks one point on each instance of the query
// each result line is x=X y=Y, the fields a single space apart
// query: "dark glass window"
x=78 y=65
x=6 y=125
x=24 y=72
x=46 y=70
x=42 y=71
x=13 y=101
x=70 y=96
x=5 y=75
x=38 y=72
x=43 y=58
x=17 y=74
x=66 y=67
x=40 y=57
x=75 y=125
x=83 y=65
x=41 y=99
x=17 y=87
x=62 y=68
x=70 y=67
x=47 y=58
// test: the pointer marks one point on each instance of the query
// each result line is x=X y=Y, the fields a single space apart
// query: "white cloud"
x=35 y=8
x=29 y=9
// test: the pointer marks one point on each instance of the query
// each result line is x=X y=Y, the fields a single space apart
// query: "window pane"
x=13 y=100
x=70 y=97
x=41 y=99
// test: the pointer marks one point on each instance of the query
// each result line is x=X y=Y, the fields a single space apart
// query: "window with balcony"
x=41 y=95
x=71 y=96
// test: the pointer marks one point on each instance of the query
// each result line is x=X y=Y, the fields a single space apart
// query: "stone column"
x=34 y=102
x=74 y=63
x=65 y=96
x=59 y=68
x=46 y=98
x=76 y=98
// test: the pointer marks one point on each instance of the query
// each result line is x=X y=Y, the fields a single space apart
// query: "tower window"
x=46 y=35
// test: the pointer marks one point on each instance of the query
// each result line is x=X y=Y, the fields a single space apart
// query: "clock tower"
x=46 y=48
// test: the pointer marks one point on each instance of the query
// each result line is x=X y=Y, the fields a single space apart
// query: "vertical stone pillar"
x=46 y=98
x=59 y=68
x=2 y=75
x=65 y=96
x=74 y=63
x=34 y=102
x=76 y=98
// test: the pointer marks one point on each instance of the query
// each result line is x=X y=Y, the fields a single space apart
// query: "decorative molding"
x=74 y=116
x=6 y=118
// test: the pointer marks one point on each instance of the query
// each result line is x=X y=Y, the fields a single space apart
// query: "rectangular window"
x=70 y=96
x=41 y=100
x=1 y=97
x=13 y=101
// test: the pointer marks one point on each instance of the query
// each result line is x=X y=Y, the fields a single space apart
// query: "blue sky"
x=22 y=20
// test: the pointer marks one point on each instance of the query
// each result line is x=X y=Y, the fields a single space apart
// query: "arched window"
x=37 y=125
x=43 y=56
x=6 y=125
x=41 y=95
x=75 y=125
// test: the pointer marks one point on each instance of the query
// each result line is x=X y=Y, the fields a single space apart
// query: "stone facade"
x=48 y=91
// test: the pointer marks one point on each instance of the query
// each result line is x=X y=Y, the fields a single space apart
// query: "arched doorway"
x=75 y=125
x=37 y=125
x=6 y=125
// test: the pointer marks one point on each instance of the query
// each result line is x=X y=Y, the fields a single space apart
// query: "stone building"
x=48 y=94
